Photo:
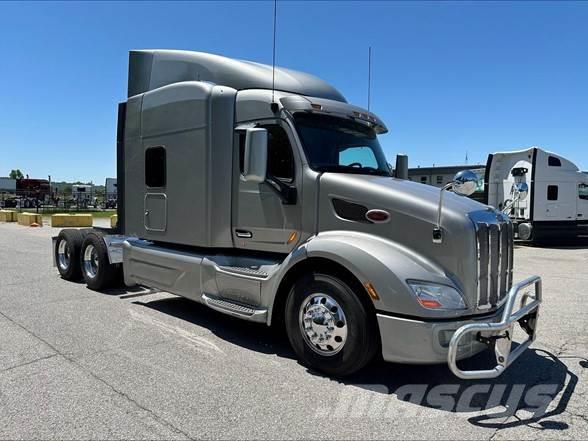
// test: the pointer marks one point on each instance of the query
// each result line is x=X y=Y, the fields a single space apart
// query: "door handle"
x=146 y=212
x=243 y=234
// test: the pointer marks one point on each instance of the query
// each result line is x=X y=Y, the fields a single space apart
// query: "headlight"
x=433 y=296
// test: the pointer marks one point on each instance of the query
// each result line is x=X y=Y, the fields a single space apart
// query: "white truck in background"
x=83 y=195
x=557 y=205
x=110 y=193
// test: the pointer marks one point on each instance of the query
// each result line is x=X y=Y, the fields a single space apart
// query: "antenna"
x=466 y=158
x=369 y=77
x=274 y=105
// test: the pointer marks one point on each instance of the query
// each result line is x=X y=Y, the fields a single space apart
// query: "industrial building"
x=442 y=175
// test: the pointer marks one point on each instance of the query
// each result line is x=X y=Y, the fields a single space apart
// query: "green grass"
x=95 y=214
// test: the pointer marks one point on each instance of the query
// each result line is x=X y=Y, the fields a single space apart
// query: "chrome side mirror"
x=522 y=191
x=255 y=158
x=465 y=183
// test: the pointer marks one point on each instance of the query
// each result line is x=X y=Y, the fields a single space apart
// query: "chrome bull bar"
x=526 y=316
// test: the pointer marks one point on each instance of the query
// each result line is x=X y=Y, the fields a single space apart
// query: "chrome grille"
x=495 y=261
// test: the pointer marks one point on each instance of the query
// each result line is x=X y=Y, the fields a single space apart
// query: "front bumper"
x=419 y=342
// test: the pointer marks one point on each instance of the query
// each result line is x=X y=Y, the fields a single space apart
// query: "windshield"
x=339 y=145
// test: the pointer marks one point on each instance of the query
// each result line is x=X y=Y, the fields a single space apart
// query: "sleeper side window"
x=552 y=161
x=583 y=191
x=552 y=192
x=155 y=175
x=280 y=160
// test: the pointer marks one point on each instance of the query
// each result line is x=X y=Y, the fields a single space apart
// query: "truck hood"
x=413 y=216
x=418 y=201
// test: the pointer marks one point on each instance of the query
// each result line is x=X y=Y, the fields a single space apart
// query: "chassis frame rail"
x=527 y=316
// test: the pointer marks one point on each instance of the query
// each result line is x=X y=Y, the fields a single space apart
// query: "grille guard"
x=527 y=316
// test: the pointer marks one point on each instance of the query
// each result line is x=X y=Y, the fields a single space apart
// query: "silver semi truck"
x=276 y=205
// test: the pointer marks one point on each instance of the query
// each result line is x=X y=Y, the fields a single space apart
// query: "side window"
x=552 y=192
x=358 y=155
x=280 y=160
x=241 y=139
x=552 y=161
x=583 y=191
x=155 y=175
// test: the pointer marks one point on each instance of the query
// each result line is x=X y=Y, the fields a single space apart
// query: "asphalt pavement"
x=134 y=364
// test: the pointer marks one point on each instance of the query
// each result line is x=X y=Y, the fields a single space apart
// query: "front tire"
x=96 y=268
x=330 y=328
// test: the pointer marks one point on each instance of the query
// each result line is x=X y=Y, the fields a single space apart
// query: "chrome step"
x=240 y=310
x=245 y=271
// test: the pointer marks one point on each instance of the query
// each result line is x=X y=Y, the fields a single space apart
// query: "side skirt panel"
x=229 y=283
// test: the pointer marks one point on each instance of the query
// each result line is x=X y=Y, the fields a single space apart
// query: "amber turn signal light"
x=371 y=291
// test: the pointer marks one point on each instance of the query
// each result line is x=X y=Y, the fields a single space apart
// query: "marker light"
x=434 y=296
x=378 y=216
x=371 y=291
x=292 y=237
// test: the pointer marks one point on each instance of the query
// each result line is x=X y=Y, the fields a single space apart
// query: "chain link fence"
x=58 y=201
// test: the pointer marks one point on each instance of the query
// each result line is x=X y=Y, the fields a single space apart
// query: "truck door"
x=262 y=220
x=561 y=201
x=155 y=201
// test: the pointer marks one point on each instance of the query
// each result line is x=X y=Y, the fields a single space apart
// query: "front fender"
x=385 y=264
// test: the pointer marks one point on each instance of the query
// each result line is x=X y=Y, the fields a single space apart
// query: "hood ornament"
x=464 y=184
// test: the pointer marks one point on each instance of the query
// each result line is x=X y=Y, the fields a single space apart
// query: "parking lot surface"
x=76 y=363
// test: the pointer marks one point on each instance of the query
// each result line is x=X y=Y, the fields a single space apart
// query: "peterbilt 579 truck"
x=264 y=195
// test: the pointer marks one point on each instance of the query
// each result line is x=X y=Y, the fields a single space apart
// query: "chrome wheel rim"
x=91 y=261
x=63 y=255
x=323 y=324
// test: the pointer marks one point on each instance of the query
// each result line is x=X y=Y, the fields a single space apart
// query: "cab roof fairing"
x=150 y=69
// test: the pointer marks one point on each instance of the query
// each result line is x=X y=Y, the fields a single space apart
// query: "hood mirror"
x=465 y=183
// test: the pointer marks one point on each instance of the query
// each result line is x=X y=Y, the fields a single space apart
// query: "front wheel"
x=329 y=326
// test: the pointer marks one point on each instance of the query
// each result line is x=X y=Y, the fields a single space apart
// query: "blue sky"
x=446 y=77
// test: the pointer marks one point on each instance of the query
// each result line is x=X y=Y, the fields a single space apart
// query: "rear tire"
x=330 y=328
x=96 y=269
x=67 y=254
